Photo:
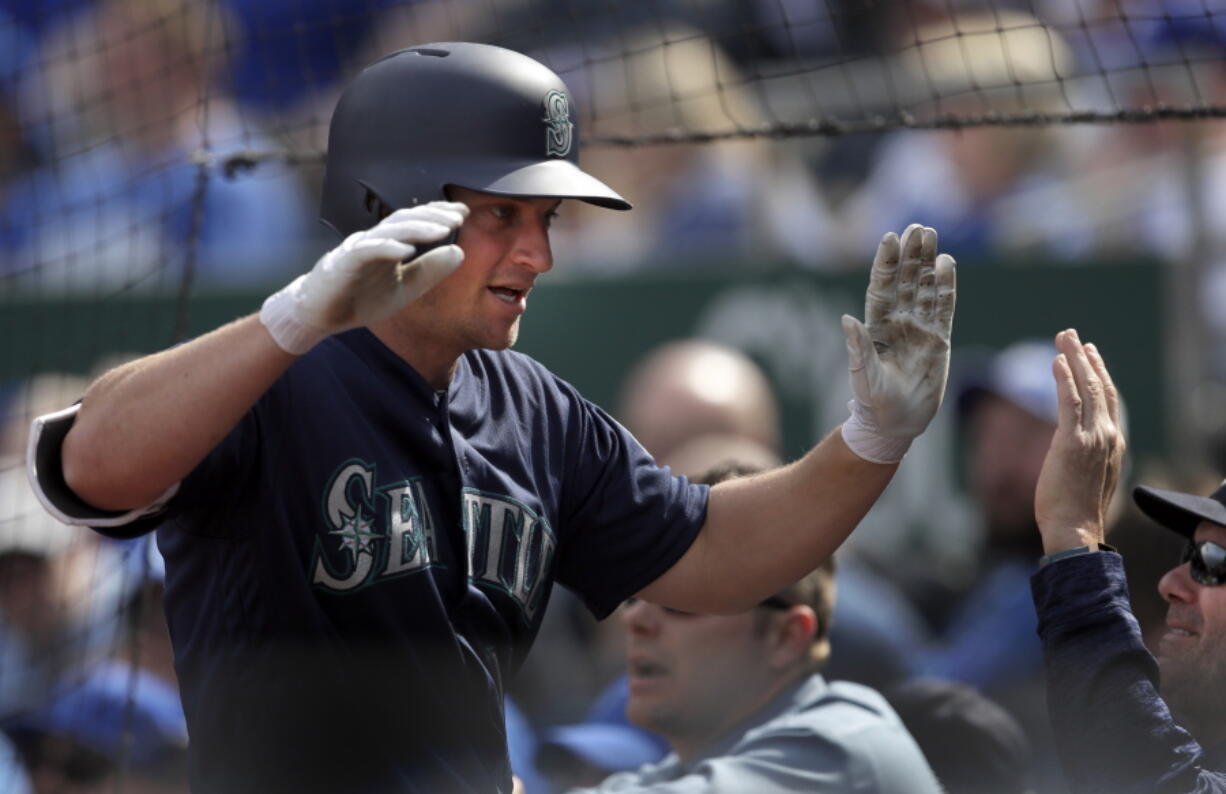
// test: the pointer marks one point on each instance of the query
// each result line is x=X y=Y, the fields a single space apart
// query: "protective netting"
x=153 y=151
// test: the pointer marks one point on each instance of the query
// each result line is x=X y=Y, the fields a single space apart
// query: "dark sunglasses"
x=774 y=602
x=1208 y=562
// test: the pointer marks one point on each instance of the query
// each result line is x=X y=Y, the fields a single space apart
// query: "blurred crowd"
x=145 y=139
x=112 y=179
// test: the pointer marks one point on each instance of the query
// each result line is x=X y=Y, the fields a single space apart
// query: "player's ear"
x=792 y=635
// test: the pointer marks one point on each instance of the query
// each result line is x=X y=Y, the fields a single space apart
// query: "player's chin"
x=503 y=337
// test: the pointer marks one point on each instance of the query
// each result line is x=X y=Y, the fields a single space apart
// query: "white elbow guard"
x=46 y=474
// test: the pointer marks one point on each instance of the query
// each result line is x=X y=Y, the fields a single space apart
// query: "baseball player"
x=363 y=498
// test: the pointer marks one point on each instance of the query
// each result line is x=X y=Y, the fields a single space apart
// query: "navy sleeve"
x=628 y=519
x=1113 y=731
x=211 y=490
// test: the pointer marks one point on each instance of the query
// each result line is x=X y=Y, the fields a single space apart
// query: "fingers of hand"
x=860 y=357
x=1115 y=433
x=448 y=213
x=411 y=231
x=926 y=294
x=1110 y=392
x=420 y=275
x=1089 y=387
x=946 y=272
x=859 y=344
x=373 y=250
x=916 y=240
x=928 y=246
x=1066 y=394
x=882 y=282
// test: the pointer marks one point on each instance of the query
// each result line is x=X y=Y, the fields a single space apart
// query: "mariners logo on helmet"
x=557 y=116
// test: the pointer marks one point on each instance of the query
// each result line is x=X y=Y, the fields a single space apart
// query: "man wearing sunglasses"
x=1114 y=731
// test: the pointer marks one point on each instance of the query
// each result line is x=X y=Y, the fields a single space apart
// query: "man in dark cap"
x=1114 y=732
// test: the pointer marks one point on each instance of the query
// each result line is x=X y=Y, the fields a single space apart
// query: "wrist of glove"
x=282 y=316
x=863 y=437
x=369 y=277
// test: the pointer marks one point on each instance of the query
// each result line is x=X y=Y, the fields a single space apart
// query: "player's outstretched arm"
x=768 y=530
x=144 y=426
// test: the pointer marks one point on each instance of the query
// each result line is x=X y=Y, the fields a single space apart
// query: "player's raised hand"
x=899 y=356
x=1082 y=467
x=369 y=277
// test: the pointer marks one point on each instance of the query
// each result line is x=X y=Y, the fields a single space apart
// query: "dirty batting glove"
x=898 y=357
x=369 y=277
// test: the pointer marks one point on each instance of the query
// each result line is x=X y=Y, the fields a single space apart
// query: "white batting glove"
x=899 y=361
x=366 y=279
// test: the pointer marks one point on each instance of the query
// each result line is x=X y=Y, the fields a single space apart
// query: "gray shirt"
x=817 y=737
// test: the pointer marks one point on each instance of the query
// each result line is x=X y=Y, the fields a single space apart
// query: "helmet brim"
x=527 y=179
x=552 y=179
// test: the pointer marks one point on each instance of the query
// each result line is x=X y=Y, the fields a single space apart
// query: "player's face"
x=693 y=677
x=1192 y=652
x=506 y=246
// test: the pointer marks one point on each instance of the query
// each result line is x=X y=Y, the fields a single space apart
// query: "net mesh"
x=155 y=150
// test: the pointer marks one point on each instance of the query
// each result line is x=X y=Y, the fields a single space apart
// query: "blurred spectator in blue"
x=835 y=30
x=31 y=621
x=698 y=204
x=35 y=554
x=290 y=47
x=116 y=728
x=16 y=49
x=1112 y=38
x=125 y=97
x=146 y=638
x=585 y=753
x=44 y=14
x=990 y=190
x=13 y=777
x=62 y=596
x=522 y=746
x=1159 y=188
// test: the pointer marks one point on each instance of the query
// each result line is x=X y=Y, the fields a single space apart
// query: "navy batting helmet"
x=471 y=115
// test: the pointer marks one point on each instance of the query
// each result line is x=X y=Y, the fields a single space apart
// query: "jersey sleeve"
x=626 y=519
x=1113 y=730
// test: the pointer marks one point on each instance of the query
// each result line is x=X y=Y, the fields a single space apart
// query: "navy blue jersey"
x=354 y=572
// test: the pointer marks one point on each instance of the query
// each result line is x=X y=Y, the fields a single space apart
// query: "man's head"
x=694 y=677
x=1192 y=652
x=472 y=123
x=690 y=388
x=475 y=116
x=1010 y=416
